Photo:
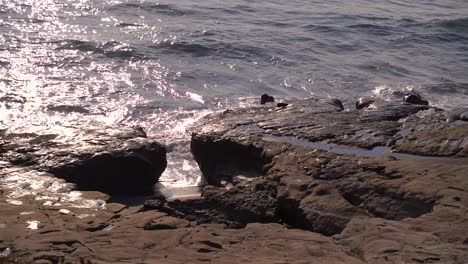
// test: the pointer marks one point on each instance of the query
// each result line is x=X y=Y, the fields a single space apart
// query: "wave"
x=79 y=45
x=386 y=68
x=165 y=9
x=322 y=28
x=226 y=50
x=129 y=25
x=374 y=29
x=197 y=50
x=113 y=49
x=447 y=88
x=457 y=24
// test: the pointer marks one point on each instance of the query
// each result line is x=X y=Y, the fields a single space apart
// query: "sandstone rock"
x=166 y=223
x=167 y=240
x=274 y=175
x=329 y=172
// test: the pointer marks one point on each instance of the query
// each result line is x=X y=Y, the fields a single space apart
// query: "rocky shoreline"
x=300 y=181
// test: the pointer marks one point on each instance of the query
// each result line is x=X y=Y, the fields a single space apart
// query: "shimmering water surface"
x=163 y=64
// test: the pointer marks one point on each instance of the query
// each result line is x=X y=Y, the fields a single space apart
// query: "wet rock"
x=337 y=103
x=250 y=203
x=282 y=105
x=221 y=160
x=313 y=184
x=392 y=112
x=104 y=159
x=270 y=171
x=157 y=202
x=464 y=116
x=266 y=98
x=234 y=207
x=458 y=114
x=363 y=103
x=166 y=222
x=414 y=98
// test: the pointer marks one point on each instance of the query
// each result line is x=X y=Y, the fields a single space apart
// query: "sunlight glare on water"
x=163 y=64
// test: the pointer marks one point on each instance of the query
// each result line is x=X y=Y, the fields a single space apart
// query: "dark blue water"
x=162 y=64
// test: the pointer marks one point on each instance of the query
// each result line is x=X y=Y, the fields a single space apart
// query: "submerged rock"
x=104 y=159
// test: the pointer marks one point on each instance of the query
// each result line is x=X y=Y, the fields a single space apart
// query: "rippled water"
x=163 y=64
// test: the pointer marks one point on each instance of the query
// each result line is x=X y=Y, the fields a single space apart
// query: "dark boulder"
x=129 y=170
x=282 y=105
x=363 y=103
x=266 y=98
x=220 y=161
x=414 y=98
x=337 y=103
x=110 y=160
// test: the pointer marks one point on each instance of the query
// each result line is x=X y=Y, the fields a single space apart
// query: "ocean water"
x=164 y=64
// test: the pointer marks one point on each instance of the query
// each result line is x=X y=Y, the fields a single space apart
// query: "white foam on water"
x=5 y=253
x=447 y=102
x=195 y=97
x=18 y=183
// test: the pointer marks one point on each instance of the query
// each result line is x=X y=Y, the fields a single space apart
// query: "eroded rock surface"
x=122 y=234
x=304 y=182
x=345 y=174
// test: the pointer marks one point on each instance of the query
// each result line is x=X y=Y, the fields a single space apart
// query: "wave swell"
x=113 y=49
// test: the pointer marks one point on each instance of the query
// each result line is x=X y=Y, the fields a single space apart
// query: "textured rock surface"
x=104 y=159
x=127 y=235
x=302 y=183
x=347 y=175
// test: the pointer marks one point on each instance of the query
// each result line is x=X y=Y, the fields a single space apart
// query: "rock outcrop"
x=109 y=160
x=126 y=235
x=388 y=182
x=304 y=182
